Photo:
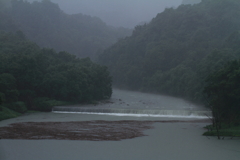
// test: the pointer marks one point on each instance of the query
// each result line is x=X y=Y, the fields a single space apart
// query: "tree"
x=8 y=91
x=223 y=94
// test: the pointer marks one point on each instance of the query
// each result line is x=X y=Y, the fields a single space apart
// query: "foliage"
x=8 y=88
x=6 y=113
x=19 y=106
x=28 y=73
x=47 y=25
x=226 y=131
x=45 y=104
x=223 y=94
x=177 y=50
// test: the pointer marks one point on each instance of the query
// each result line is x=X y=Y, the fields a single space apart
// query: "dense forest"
x=36 y=79
x=177 y=50
x=47 y=25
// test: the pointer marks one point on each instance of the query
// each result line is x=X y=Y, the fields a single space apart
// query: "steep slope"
x=176 y=51
x=48 y=26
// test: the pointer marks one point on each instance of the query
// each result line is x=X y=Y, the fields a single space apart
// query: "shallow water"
x=167 y=141
x=129 y=103
x=132 y=100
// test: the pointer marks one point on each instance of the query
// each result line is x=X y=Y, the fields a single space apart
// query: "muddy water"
x=167 y=141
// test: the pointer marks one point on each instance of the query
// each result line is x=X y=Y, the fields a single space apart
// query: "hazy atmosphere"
x=125 y=13
x=122 y=80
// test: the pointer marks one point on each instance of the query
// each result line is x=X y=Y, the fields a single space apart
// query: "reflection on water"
x=129 y=103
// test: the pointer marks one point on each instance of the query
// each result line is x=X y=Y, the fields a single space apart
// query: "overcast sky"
x=126 y=13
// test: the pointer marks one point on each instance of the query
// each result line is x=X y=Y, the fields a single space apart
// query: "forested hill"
x=47 y=25
x=175 y=52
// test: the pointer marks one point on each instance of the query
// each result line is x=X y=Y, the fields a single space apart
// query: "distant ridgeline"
x=191 y=1
x=47 y=25
x=178 y=49
x=41 y=78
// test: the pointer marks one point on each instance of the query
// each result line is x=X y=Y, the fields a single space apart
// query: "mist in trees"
x=177 y=50
x=125 y=13
x=190 y=52
x=191 y=1
x=47 y=25
x=181 y=52
x=37 y=79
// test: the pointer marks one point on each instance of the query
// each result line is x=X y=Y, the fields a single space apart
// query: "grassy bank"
x=12 y=110
x=41 y=105
x=225 y=131
x=6 y=113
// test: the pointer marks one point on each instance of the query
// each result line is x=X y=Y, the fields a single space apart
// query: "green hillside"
x=47 y=25
x=178 y=49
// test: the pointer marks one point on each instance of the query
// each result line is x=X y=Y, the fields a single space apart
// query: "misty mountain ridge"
x=126 y=13
x=174 y=53
x=47 y=25
x=191 y=2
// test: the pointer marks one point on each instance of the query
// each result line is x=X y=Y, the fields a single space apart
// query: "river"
x=167 y=140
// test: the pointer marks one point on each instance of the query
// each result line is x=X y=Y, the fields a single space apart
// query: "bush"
x=2 y=97
x=45 y=104
x=19 y=107
x=6 y=113
x=226 y=130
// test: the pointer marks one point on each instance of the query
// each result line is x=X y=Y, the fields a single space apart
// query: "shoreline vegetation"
x=6 y=113
x=226 y=131
x=222 y=93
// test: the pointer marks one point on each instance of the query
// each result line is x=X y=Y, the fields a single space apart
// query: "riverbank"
x=225 y=131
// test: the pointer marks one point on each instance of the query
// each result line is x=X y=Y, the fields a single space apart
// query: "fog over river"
x=167 y=140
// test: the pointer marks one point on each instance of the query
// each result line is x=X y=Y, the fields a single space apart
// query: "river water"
x=166 y=141
x=129 y=103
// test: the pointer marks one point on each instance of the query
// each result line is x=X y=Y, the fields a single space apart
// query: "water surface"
x=129 y=103
x=167 y=141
